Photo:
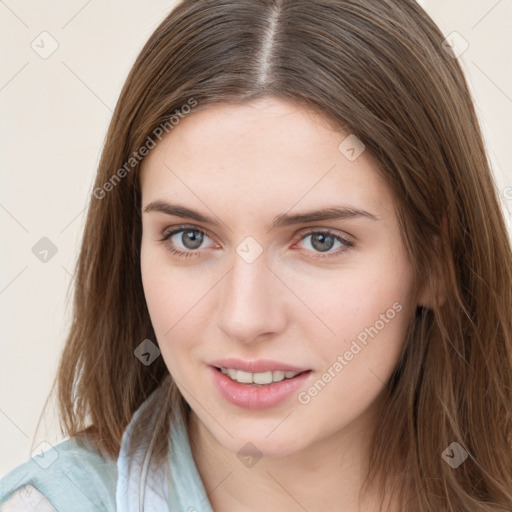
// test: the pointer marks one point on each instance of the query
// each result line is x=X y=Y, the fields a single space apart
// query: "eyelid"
x=168 y=232
x=317 y=229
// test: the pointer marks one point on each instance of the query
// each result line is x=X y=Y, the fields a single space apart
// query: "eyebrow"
x=284 y=219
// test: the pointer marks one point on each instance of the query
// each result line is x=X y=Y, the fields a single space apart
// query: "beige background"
x=54 y=115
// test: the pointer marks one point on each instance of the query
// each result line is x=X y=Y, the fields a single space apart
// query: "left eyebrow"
x=345 y=212
x=284 y=219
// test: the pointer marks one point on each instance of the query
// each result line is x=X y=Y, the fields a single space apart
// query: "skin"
x=245 y=165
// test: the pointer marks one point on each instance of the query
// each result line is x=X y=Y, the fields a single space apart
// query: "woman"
x=294 y=282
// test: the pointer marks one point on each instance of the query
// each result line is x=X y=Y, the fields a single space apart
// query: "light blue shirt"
x=74 y=478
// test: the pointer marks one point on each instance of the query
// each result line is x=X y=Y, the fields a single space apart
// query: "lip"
x=249 y=396
x=256 y=366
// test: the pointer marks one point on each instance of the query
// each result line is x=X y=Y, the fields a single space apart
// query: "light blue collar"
x=175 y=486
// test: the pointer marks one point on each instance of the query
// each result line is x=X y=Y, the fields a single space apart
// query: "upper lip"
x=256 y=366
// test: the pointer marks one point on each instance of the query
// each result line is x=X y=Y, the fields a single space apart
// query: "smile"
x=257 y=390
x=260 y=378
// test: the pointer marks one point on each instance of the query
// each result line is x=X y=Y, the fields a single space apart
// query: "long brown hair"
x=376 y=69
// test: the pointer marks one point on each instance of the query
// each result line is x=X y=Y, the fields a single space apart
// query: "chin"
x=279 y=443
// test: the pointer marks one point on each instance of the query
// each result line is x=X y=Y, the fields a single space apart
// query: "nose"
x=251 y=302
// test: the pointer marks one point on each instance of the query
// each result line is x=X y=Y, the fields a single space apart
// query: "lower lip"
x=257 y=397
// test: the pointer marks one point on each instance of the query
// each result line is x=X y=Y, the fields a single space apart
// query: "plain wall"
x=54 y=116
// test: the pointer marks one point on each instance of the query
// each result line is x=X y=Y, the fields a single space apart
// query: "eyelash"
x=319 y=256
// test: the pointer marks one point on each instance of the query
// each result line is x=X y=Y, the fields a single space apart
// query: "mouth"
x=258 y=390
x=258 y=379
x=261 y=384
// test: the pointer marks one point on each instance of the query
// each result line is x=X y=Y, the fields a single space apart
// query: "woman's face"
x=283 y=254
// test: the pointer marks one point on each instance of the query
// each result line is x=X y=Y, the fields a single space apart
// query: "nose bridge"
x=248 y=307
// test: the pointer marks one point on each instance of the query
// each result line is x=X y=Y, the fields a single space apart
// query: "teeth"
x=278 y=375
x=244 y=377
x=257 y=378
x=262 y=378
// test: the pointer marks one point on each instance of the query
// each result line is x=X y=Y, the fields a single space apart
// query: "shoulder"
x=70 y=476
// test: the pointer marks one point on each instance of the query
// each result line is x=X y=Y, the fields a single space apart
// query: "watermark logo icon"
x=351 y=148
x=249 y=455
x=44 y=455
x=146 y=352
x=455 y=45
x=44 y=45
x=454 y=455
x=44 y=250
x=249 y=249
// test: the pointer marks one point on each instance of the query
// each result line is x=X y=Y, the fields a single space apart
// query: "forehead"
x=261 y=154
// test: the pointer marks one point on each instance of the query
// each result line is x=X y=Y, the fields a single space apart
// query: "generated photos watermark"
x=137 y=156
x=341 y=361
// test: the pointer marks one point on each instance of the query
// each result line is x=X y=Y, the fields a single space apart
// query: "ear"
x=432 y=292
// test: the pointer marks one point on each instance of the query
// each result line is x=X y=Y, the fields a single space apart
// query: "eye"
x=186 y=241
x=321 y=242
x=188 y=238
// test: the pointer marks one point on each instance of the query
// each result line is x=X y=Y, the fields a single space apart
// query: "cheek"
x=174 y=299
x=374 y=304
x=169 y=292
x=170 y=312
x=346 y=301
x=170 y=302
x=370 y=315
